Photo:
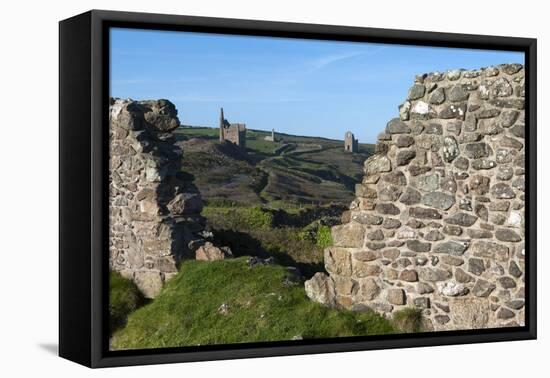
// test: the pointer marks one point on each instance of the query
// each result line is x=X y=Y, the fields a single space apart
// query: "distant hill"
x=292 y=171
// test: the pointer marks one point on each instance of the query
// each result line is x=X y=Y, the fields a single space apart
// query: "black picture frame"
x=83 y=181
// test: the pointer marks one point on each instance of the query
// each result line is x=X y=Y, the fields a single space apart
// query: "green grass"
x=124 y=297
x=254 y=231
x=324 y=237
x=262 y=306
x=240 y=218
x=408 y=320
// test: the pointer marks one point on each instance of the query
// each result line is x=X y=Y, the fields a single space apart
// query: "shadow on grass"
x=243 y=244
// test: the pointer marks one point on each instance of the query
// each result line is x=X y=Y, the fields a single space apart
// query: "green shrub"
x=258 y=218
x=124 y=297
x=227 y=301
x=324 y=237
x=408 y=320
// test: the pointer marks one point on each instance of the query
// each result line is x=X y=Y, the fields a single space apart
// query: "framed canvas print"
x=234 y=188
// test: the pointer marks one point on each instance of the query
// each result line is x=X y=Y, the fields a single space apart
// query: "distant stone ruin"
x=271 y=138
x=232 y=132
x=154 y=213
x=350 y=143
x=438 y=222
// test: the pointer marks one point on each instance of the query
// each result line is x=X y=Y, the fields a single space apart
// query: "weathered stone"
x=396 y=296
x=433 y=274
x=405 y=156
x=461 y=276
x=453 y=111
x=422 y=110
x=209 y=252
x=470 y=313
x=508 y=118
x=514 y=103
x=458 y=93
x=518 y=130
x=427 y=183
x=511 y=68
x=338 y=261
x=462 y=163
x=483 y=288
x=375 y=245
x=504 y=313
x=320 y=288
x=415 y=170
x=423 y=213
x=479 y=234
x=488 y=249
x=487 y=113
x=479 y=184
x=396 y=126
x=391 y=223
x=424 y=288
x=481 y=211
x=452 y=247
x=362 y=269
x=450 y=149
x=510 y=143
x=409 y=275
x=515 y=304
x=461 y=219
x=451 y=288
x=410 y=196
x=506 y=282
x=438 y=200
x=507 y=235
x=476 y=266
x=375 y=235
x=514 y=269
x=149 y=282
x=434 y=235
x=502 y=191
x=365 y=218
x=368 y=289
x=377 y=164
x=422 y=302
x=348 y=235
x=395 y=178
x=452 y=260
x=418 y=246
x=442 y=319
x=404 y=111
x=476 y=150
x=452 y=230
x=387 y=208
x=404 y=140
x=366 y=255
x=437 y=97
x=391 y=254
x=416 y=91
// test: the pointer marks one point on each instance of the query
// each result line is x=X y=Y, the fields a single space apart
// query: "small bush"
x=124 y=298
x=408 y=320
x=258 y=218
x=324 y=237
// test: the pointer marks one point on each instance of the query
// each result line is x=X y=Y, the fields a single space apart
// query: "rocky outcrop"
x=438 y=222
x=154 y=211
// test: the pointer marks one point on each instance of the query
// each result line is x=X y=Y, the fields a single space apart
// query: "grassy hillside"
x=274 y=199
x=230 y=302
x=293 y=171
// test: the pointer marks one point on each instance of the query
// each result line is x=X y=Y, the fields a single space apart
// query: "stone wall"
x=154 y=208
x=438 y=222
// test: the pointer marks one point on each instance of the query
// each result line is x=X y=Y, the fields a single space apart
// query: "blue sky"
x=303 y=87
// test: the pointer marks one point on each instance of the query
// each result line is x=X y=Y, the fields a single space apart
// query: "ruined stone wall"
x=438 y=222
x=154 y=208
